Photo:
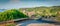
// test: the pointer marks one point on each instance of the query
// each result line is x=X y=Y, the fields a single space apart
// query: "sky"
x=9 y=4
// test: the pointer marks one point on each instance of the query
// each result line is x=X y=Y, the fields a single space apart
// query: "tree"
x=11 y=14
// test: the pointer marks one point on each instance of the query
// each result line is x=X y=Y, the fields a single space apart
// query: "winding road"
x=27 y=22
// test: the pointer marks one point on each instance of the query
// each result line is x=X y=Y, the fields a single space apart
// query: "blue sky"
x=9 y=4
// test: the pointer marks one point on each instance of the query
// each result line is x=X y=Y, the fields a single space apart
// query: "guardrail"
x=13 y=20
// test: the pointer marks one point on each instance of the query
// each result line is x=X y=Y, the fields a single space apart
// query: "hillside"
x=53 y=11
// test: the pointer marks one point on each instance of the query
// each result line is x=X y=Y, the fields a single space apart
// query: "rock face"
x=34 y=24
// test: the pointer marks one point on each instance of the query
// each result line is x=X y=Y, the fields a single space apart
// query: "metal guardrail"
x=13 y=20
x=19 y=19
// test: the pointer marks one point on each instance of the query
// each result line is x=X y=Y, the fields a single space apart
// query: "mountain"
x=1 y=10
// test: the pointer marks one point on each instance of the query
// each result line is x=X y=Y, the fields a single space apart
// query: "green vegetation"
x=11 y=14
x=53 y=11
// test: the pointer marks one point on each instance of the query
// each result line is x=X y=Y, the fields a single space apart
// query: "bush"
x=11 y=14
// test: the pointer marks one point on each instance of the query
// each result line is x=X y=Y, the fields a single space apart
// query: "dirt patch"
x=7 y=23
